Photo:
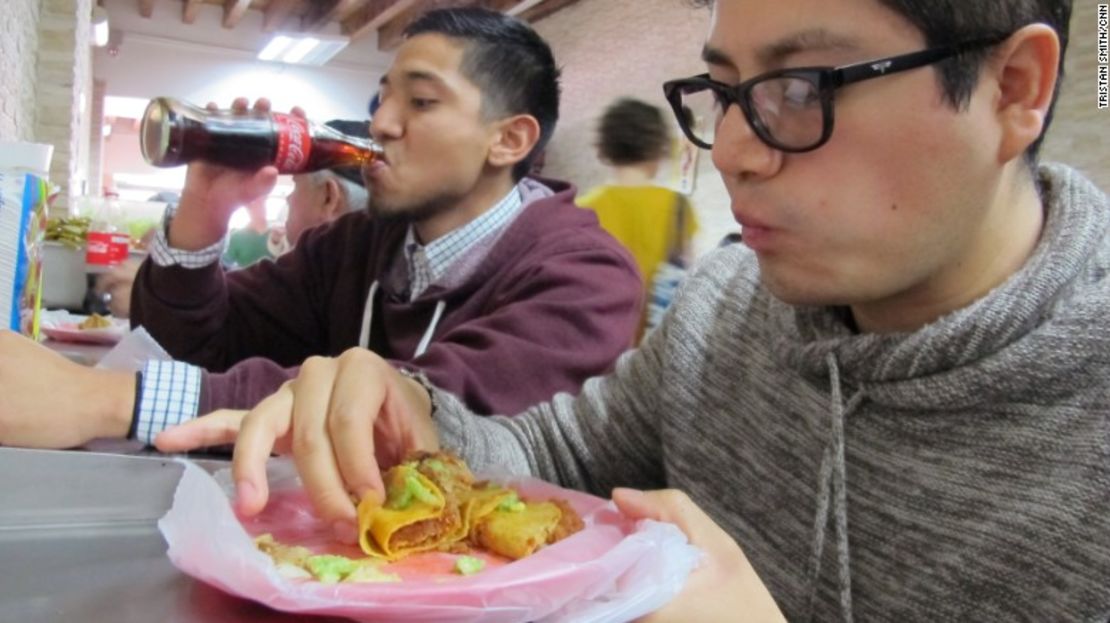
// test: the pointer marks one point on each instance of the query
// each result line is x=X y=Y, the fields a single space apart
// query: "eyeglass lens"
x=788 y=108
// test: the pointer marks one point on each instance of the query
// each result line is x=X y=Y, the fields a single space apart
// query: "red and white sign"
x=105 y=248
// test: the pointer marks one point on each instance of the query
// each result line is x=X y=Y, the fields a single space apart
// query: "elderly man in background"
x=322 y=196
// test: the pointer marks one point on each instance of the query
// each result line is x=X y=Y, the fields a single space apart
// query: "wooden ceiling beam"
x=322 y=12
x=543 y=9
x=234 y=11
x=501 y=6
x=279 y=14
x=391 y=33
x=146 y=8
x=190 y=10
x=373 y=15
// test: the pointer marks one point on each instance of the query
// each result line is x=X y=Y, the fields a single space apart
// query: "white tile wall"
x=19 y=42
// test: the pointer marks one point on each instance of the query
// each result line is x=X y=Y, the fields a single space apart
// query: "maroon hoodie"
x=554 y=302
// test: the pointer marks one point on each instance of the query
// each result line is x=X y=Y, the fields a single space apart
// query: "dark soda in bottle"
x=175 y=133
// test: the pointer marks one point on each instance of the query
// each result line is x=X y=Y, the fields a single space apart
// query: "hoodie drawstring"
x=832 y=476
x=427 y=339
x=368 y=318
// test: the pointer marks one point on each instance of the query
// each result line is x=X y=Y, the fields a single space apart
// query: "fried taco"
x=516 y=529
x=433 y=503
x=422 y=510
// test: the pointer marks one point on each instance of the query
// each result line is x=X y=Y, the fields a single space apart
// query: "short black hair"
x=350 y=127
x=632 y=131
x=511 y=65
x=945 y=22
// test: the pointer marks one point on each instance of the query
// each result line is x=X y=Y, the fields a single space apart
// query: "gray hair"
x=355 y=197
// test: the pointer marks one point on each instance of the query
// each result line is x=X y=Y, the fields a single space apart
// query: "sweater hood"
x=993 y=347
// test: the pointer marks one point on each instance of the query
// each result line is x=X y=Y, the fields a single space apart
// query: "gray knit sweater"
x=960 y=472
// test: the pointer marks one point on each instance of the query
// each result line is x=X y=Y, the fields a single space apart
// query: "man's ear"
x=513 y=140
x=333 y=198
x=1026 y=69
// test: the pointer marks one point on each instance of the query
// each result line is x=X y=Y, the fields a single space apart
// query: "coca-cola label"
x=98 y=249
x=121 y=246
x=105 y=248
x=294 y=142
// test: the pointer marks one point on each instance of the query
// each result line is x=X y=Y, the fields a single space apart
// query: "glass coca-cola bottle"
x=175 y=133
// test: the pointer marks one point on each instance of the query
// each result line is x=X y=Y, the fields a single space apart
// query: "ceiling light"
x=275 y=47
x=302 y=49
x=299 y=50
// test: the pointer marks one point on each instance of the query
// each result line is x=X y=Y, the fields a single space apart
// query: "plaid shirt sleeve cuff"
x=170 y=395
x=162 y=254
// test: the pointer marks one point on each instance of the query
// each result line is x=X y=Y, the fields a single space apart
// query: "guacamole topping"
x=469 y=565
x=329 y=569
x=435 y=465
x=401 y=498
x=511 y=504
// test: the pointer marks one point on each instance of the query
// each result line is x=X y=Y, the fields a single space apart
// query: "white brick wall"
x=64 y=78
x=45 y=74
x=19 y=36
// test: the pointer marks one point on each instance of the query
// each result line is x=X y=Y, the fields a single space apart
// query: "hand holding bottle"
x=235 y=156
x=213 y=191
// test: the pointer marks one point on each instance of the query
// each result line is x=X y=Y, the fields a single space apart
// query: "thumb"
x=636 y=504
x=217 y=428
x=675 y=507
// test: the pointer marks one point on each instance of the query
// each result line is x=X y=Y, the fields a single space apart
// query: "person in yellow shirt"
x=633 y=139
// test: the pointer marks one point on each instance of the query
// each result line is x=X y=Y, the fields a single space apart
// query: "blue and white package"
x=22 y=224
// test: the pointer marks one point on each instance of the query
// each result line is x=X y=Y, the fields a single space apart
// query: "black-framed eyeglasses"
x=789 y=109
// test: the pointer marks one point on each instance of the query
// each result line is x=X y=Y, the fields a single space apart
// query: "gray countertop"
x=79 y=541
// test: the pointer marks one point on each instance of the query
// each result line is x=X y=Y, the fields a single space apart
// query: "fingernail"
x=345 y=531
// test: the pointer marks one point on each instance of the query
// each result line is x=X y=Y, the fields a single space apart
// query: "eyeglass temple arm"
x=873 y=69
x=881 y=67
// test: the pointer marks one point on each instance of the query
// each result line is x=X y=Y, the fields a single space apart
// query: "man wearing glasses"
x=891 y=401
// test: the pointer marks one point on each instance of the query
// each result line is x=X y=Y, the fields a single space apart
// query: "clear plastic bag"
x=613 y=570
